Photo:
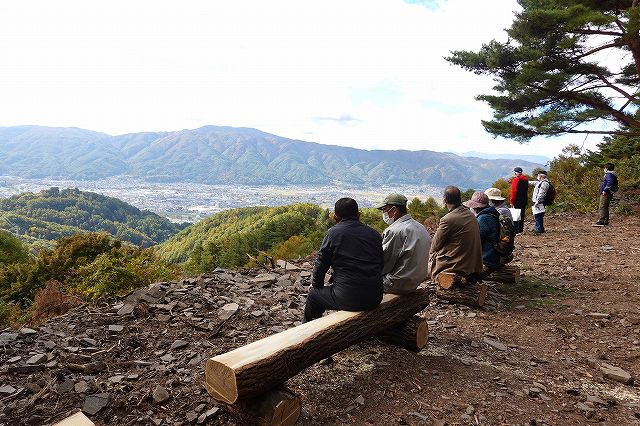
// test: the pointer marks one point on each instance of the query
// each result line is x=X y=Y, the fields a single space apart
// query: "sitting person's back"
x=354 y=251
x=489 y=223
x=456 y=246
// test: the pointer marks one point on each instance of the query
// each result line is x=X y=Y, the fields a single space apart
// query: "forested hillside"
x=229 y=155
x=52 y=214
x=287 y=232
x=226 y=238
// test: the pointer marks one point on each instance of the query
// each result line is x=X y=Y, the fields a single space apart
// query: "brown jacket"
x=456 y=244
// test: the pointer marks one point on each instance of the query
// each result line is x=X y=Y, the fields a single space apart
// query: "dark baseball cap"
x=517 y=169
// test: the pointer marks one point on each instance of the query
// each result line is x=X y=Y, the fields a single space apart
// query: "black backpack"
x=506 y=243
x=550 y=196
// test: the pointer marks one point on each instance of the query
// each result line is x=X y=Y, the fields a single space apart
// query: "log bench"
x=249 y=379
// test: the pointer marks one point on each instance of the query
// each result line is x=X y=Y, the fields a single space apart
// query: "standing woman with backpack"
x=608 y=186
x=539 y=197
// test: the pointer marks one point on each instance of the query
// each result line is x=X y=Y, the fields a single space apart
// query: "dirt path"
x=577 y=307
x=533 y=358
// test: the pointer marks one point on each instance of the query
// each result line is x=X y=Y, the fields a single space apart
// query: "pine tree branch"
x=616 y=88
x=599 y=105
x=603 y=47
x=603 y=132
x=597 y=32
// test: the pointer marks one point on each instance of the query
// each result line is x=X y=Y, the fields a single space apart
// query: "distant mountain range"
x=228 y=155
x=539 y=159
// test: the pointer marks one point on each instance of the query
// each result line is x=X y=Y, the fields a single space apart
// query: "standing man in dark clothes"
x=354 y=252
x=519 y=196
x=608 y=186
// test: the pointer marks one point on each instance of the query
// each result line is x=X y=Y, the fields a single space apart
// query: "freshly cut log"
x=78 y=419
x=469 y=295
x=447 y=280
x=275 y=407
x=252 y=369
x=509 y=274
x=411 y=334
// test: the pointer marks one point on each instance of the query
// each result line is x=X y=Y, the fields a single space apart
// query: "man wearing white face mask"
x=405 y=244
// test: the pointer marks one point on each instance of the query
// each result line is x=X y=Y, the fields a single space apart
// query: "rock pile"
x=140 y=359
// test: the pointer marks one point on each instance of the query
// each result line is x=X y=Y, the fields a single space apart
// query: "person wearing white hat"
x=497 y=200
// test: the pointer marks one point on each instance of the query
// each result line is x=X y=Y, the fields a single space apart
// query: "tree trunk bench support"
x=275 y=407
x=253 y=369
x=411 y=334
x=508 y=274
x=456 y=288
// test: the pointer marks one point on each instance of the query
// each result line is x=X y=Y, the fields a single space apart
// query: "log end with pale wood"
x=78 y=419
x=411 y=334
x=262 y=365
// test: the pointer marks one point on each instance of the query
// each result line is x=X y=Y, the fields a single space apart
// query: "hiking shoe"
x=600 y=223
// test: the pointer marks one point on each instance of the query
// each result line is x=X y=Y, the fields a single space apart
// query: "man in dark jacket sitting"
x=489 y=221
x=354 y=251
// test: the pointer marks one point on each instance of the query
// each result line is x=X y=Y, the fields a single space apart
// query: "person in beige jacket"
x=456 y=245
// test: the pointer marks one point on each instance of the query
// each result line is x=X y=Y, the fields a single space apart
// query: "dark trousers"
x=603 y=208
x=539 y=222
x=321 y=299
x=519 y=225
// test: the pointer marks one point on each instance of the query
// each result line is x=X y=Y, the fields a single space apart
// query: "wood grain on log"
x=470 y=295
x=411 y=334
x=261 y=365
x=509 y=274
x=447 y=280
x=275 y=407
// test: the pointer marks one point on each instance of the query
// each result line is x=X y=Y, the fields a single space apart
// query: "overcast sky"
x=367 y=74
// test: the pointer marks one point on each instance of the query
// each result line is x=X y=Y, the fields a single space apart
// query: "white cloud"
x=368 y=74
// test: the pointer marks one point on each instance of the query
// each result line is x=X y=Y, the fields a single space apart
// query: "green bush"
x=91 y=265
x=116 y=273
x=11 y=250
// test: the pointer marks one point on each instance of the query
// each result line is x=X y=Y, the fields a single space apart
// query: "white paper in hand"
x=516 y=214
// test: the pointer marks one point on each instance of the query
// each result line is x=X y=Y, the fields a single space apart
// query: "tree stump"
x=411 y=334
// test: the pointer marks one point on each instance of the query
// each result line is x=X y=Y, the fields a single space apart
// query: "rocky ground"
x=562 y=347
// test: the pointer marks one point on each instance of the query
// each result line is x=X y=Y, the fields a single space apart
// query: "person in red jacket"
x=519 y=196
